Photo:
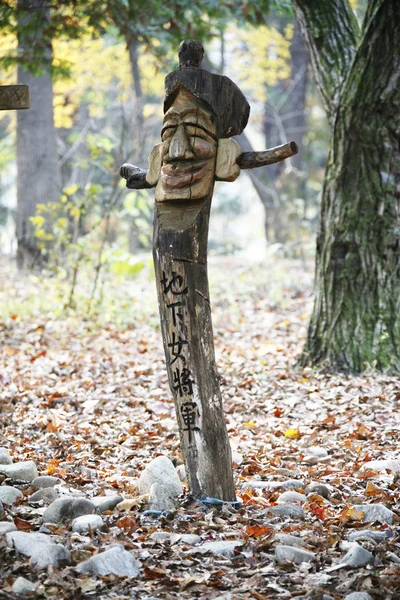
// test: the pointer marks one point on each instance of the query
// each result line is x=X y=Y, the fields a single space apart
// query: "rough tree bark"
x=356 y=317
x=39 y=180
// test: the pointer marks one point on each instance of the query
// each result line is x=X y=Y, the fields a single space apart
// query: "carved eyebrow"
x=196 y=125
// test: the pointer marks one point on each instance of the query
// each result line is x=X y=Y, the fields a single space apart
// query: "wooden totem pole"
x=201 y=112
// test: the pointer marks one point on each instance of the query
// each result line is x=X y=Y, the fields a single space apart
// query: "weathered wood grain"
x=250 y=160
x=180 y=260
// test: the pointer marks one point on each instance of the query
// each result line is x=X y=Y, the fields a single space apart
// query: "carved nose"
x=179 y=147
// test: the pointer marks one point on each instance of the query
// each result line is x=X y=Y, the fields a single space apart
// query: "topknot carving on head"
x=190 y=53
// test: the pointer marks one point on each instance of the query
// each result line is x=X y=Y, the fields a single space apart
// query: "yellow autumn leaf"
x=356 y=515
x=249 y=424
x=293 y=434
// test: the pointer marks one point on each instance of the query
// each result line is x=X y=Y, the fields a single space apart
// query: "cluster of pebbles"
x=57 y=505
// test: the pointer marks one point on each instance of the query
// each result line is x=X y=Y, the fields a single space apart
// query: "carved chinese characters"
x=178 y=359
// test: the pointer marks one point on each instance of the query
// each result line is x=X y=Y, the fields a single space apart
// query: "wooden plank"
x=14 y=97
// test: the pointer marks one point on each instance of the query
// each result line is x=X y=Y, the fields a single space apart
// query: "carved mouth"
x=180 y=175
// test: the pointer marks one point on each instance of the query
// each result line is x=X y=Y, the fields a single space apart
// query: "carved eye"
x=195 y=131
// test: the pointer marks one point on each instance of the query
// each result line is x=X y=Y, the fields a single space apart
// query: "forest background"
x=81 y=227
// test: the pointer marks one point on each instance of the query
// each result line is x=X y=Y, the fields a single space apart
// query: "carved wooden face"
x=188 y=151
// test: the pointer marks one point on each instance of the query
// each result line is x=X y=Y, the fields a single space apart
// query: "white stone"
x=162 y=497
x=286 y=509
x=42 y=550
x=9 y=495
x=45 y=494
x=221 y=548
x=114 y=561
x=160 y=470
x=20 y=471
x=357 y=556
x=375 y=512
x=46 y=481
x=289 y=484
x=285 y=554
x=82 y=524
x=5 y=458
x=289 y=540
x=382 y=465
x=191 y=539
x=377 y=536
x=358 y=596
x=67 y=509
x=103 y=503
x=160 y=536
x=393 y=557
x=181 y=470
x=291 y=496
x=23 y=586
x=317 y=451
x=321 y=489
x=6 y=527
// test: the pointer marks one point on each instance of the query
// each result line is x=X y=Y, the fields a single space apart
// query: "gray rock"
x=6 y=527
x=161 y=536
x=181 y=470
x=375 y=512
x=103 y=503
x=114 y=561
x=45 y=481
x=221 y=548
x=67 y=509
x=291 y=496
x=358 y=596
x=191 y=539
x=23 y=586
x=82 y=524
x=357 y=556
x=289 y=484
x=162 y=497
x=5 y=458
x=320 y=489
x=20 y=471
x=42 y=550
x=377 y=536
x=317 y=451
x=285 y=554
x=161 y=472
x=289 y=540
x=1 y=509
x=393 y=557
x=382 y=465
x=9 y=495
x=46 y=494
x=286 y=510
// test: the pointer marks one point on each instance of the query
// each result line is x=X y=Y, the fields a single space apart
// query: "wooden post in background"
x=202 y=111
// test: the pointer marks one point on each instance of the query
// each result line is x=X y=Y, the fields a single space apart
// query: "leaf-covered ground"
x=92 y=406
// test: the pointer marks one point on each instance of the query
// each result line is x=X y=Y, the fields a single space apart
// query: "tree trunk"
x=180 y=260
x=39 y=179
x=356 y=317
x=134 y=242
